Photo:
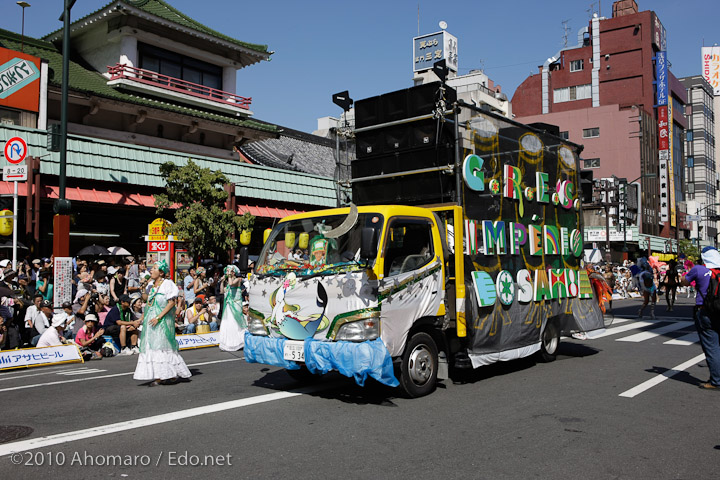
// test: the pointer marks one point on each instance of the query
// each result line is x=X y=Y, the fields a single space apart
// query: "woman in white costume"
x=234 y=323
x=159 y=359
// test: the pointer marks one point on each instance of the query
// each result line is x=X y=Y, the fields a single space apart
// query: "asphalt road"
x=622 y=406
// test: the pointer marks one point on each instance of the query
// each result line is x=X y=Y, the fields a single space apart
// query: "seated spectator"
x=120 y=322
x=137 y=306
x=32 y=316
x=67 y=313
x=42 y=321
x=53 y=335
x=44 y=284
x=198 y=314
x=118 y=283
x=89 y=337
x=9 y=332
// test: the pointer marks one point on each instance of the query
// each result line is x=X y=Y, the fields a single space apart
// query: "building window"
x=179 y=66
x=564 y=135
x=591 y=163
x=690 y=162
x=568 y=94
x=591 y=132
x=691 y=188
x=689 y=135
x=576 y=65
x=9 y=117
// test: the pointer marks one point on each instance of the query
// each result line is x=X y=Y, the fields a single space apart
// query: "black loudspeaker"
x=367 y=112
x=394 y=106
x=370 y=143
x=421 y=99
x=398 y=138
x=243 y=258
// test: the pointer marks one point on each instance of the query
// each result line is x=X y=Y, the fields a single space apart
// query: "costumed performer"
x=234 y=323
x=159 y=359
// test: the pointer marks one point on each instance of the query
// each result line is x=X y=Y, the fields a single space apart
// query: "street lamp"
x=644 y=175
x=24 y=5
x=697 y=212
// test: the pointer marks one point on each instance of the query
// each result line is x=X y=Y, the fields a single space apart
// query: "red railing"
x=121 y=71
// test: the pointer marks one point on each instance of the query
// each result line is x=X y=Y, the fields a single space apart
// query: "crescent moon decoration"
x=346 y=225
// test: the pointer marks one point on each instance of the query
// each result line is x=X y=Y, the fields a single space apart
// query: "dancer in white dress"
x=159 y=359
x=234 y=323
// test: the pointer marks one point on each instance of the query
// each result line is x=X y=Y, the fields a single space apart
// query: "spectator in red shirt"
x=89 y=337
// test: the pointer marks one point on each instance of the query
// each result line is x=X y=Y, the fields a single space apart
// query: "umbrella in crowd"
x=8 y=244
x=118 y=251
x=93 y=250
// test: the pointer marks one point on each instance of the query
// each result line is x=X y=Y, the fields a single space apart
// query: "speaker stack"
x=402 y=148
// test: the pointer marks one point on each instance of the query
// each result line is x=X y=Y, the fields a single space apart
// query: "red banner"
x=663 y=131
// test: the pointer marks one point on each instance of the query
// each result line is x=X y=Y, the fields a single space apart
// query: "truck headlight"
x=360 y=330
x=256 y=325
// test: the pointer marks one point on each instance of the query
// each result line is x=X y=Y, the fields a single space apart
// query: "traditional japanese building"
x=147 y=85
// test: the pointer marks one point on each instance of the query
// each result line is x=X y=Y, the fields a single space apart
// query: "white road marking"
x=623 y=328
x=685 y=340
x=656 y=332
x=48 y=371
x=85 y=379
x=81 y=371
x=662 y=377
x=43 y=442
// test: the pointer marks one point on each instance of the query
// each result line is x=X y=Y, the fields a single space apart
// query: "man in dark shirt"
x=708 y=328
x=119 y=323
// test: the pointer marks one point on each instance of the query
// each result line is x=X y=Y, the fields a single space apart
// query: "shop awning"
x=93 y=195
x=268 y=212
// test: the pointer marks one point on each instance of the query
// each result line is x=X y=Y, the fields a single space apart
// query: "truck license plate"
x=294 y=351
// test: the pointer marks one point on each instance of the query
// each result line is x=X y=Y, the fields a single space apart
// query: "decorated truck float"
x=461 y=248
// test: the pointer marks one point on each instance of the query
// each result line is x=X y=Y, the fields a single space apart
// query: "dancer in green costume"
x=234 y=323
x=159 y=359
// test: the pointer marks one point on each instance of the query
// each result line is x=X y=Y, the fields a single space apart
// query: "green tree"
x=198 y=197
x=690 y=249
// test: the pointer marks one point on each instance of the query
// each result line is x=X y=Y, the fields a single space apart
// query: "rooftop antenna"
x=566 y=29
x=591 y=10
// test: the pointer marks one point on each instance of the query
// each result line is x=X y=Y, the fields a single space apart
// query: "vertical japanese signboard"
x=711 y=67
x=663 y=100
x=62 y=289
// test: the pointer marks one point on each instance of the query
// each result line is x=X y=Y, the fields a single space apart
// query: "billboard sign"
x=711 y=67
x=434 y=47
x=19 y=80
x=661 y=76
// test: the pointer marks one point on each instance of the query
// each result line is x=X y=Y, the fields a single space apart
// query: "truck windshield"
x=302 y=246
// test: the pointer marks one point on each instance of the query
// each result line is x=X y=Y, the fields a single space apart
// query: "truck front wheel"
x=419 y=367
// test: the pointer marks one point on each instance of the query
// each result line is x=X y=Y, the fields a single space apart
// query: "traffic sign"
x=15 y=150
x=15 y=173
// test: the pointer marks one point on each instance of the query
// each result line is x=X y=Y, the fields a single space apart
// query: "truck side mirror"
x=368 y=244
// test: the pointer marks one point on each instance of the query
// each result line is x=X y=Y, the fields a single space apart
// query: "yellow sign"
x=158 y=230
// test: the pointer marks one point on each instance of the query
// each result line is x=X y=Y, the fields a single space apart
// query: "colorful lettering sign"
x=19 y=80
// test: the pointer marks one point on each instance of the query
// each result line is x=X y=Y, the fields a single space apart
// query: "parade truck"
x=460 y=246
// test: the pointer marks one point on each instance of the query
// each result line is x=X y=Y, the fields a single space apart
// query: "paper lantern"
x=245 y=237
x=290 y=239
x=6 y=224
x=266 y=234
x=304 y=240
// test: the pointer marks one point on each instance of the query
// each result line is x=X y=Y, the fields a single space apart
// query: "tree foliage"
x=690 y=249
x=199 y=199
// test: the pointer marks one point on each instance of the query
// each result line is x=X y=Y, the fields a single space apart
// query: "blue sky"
x=324 y=47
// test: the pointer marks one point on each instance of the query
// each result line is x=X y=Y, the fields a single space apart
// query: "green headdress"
x=163 y=266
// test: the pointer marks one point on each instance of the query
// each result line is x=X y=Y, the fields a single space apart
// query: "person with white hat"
x=89 y=337
x=53 y=335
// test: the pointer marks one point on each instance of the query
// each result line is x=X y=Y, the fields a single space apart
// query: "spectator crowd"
x=109 y=298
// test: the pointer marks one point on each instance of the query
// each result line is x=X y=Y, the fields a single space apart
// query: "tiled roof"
x=85 y=80
x=162 y=10
x=96 y=159
x=295 y=150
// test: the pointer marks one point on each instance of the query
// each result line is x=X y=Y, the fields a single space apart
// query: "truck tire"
x=549 y=342
x=419 y=366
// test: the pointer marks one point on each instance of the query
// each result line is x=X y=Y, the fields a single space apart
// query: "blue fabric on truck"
x=357 y=360
x=267 y=350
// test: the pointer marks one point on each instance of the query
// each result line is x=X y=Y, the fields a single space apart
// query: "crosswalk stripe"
x=688 y=339
x=656 y=332
x=623 y=328
x=662 y=377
